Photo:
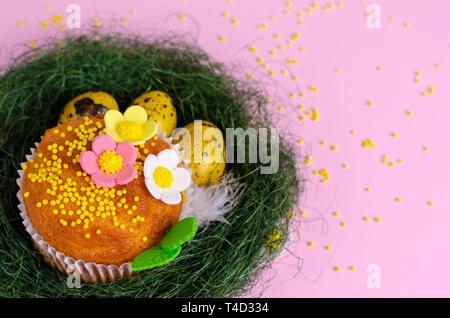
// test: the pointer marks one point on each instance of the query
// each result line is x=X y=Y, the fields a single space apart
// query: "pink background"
x=411 y=242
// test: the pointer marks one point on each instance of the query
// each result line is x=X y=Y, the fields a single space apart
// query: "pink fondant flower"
x=109 y=163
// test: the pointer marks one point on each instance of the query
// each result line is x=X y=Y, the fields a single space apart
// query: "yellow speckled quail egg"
x=210 y=163
x=160 y=108
x=92 y=103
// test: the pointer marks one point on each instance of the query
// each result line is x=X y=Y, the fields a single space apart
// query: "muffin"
x=79 y=218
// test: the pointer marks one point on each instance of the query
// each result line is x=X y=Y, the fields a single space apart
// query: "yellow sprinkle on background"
x=308 y=161
x=368 y=143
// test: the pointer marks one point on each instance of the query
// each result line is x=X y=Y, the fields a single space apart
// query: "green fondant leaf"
x=170 y=246
x=179 y=233
x=153 y=257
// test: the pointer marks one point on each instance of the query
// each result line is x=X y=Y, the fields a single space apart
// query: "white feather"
x=209 y=204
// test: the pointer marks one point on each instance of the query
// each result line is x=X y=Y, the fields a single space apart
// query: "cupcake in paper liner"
x=97 y=194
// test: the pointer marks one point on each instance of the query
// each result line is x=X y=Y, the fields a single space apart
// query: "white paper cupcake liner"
x=89 y=272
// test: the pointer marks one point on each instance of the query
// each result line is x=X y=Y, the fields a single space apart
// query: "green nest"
x=222 y=261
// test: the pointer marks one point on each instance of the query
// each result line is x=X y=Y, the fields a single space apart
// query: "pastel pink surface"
x=89 y=162
x=126 y=175
x=103 y=143
x=127 y=151
x=341 y=56
x=103 y=179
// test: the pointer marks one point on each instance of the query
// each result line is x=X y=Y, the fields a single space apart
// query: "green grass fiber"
x=222 y=261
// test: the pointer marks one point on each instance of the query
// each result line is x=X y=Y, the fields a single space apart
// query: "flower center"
x=163 y=177
x=129 y=130
x=110 y=162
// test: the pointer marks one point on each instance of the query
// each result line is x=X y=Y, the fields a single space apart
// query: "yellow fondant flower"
x=132 y=126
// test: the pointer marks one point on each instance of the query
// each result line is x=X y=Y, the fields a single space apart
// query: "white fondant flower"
x=164 y=179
